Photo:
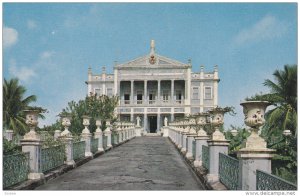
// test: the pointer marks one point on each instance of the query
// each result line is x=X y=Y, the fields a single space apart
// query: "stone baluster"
x=67 y=138
x=99 y=135
x=86 y=136
x=32 y=144
x=107 y=133
x=254 y=155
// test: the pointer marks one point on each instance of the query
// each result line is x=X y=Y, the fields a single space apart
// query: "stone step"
x=152 y=134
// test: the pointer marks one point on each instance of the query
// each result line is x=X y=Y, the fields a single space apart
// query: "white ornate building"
x=154 y=87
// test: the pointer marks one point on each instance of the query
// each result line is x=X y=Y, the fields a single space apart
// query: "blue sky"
x=49 y=47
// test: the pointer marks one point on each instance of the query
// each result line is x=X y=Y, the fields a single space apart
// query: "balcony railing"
x=152 y=102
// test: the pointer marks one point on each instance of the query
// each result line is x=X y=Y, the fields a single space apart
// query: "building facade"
x=153 y=87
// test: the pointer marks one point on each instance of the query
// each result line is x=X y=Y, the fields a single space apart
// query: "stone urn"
x=202 y=121
x=66 y=123
x=86 y=123
x=192 y=124
x=254 y=112
x=32 y=122
x=98 y=125
x=217 y=120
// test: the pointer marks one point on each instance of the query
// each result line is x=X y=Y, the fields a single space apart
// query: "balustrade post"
x=201 y=140
x=191 y=139
x=99 y=135
x=9 y=135
x=87 y=136
x=120 y=134
x=217 y=144
x=107 y=133
x=32 y=143
x=255 y=155
x=67 y=138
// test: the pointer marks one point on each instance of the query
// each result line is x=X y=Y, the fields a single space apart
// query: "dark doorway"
x=153 y=124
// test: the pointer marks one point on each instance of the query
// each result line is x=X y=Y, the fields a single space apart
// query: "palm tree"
x=283 y=96
x=13 y=105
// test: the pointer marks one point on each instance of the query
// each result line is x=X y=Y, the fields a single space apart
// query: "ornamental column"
x=132 y=92
x=86 y=136
x=107 y=133
x=172 y=93
x=145 y=91
x=158 y=91
x=67 y=138
x=32 y=144
x=99 y=135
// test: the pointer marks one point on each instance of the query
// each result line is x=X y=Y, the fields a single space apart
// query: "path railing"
x=265 y=181
x=229 y=171
x=15 y=169
x=52 y=157
x=94 y=145
x=35 y=160
x=104 y=142
x=251 y=171
x=205 y=157
x=78 y=150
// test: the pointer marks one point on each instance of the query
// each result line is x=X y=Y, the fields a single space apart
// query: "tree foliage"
x=102 y=107
x=14 y=102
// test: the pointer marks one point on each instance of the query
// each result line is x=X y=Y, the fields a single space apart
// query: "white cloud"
x=267 y=28
x=10 y=37
x=31 y=24
x=46 y=55
x=23 y=73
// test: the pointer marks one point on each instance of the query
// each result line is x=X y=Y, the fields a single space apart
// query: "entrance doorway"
x=152 y=124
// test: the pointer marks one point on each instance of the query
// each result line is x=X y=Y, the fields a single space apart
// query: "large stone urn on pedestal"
x=217 y=143
x=99 y=135
x=201 y=138
x=255 y=154
x=86 y=136
x=32 y=144
x=67 y=138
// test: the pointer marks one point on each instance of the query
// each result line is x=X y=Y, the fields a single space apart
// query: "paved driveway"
x=144 y=163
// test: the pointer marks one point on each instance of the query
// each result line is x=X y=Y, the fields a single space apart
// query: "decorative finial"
x=90 y=70
x=201 y=68
x=189 y=61
x=152 y=46
x=103 y=69
x=216 y=68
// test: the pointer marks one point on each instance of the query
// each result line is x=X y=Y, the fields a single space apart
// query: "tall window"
x=151 y=97
x=109 y=92
x=178 y=96
x=126 y=98
x=195 y=94
x=207 y=92
x=97 y=91
x=139 y=97
x=165 y=95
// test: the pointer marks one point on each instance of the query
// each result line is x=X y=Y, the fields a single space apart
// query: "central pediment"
x=153 y=61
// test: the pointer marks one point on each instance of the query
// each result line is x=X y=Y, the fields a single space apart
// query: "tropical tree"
x=94 y=106
x=14 y=102
x=282 y=116
x=283 y=96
